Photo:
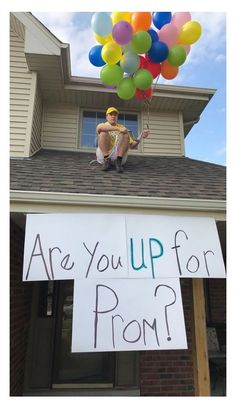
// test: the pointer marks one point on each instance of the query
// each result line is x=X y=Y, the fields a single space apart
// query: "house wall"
x=20 y=301
x=166 y=134
x=20 y=96
x=61 y=128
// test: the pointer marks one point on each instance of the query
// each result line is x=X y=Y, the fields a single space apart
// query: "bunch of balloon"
x=135 y=48
x=178 y=32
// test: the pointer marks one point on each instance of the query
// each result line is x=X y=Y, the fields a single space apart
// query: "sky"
x=205 y=67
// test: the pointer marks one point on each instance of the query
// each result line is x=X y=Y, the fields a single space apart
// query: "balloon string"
x=148 y=103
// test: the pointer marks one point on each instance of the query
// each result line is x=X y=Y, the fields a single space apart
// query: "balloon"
x=120 y=15
x=180 y=18
x=111 y=74
x=177 y=55
x=186 y=47
x=168 y=34
x=95 y=56
x=126 y=88
x=101 y=23
x=103 y=40
x=143 y=94
x=111 y=52
x=143 y=79
x=154 y=68
x=190 y=32
x=122 y=32
x=158 y=52
x=129 y=62
x=161 y=18
x=142 y=62
x=168 y=71
x=141 y=42
x=128 y=47
x=153 y=34
x=141 y=21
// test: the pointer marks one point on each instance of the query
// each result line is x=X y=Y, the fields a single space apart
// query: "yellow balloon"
x=120 y=15
x=103 y=40
x=111 y=52
x=190 y=32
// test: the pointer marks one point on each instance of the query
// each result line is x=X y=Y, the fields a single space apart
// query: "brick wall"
x=170 y=372
x=20 y=300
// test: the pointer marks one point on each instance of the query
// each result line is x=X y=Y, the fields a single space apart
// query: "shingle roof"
x=155 y=176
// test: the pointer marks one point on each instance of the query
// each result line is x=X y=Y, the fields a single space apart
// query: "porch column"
x=200 y=350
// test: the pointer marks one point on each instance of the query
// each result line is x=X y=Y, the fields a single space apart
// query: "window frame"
x=125 y=112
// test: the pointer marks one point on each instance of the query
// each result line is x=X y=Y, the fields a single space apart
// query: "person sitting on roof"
x=114 y=141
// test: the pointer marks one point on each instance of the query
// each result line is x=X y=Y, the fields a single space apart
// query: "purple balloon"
x=122 y=32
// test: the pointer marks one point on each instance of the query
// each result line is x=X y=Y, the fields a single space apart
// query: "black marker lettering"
x=113 y=328
x=139 y=331
x=66 y=259
x=50 y=259
x=193 y=258
x=118 y=262
x=153 y=327
x=176 y=247
x=92 y=254
x=106 y=263
x=40 y=254
x=205 y=253
x=97 y=311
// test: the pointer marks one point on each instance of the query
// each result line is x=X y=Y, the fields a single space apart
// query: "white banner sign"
x=92 y=246
x=123 y=315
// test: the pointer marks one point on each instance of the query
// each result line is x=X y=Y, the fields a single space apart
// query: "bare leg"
x=104 y=143
x=123 y=145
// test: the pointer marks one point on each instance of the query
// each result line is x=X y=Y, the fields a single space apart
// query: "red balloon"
x=143 y=94
x=154 y=68
x=142 y=62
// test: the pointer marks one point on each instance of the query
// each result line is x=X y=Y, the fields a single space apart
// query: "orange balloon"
x=168 y=71
x=141 y=21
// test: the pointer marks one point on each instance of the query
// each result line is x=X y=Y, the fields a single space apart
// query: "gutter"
x=192 y=122
x=35 y=201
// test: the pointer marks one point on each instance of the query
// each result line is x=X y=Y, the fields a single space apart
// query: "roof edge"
x=35 y=201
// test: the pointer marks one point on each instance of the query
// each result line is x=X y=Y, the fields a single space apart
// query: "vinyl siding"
x=60 y=127
x=20 y=94
x=165 y=134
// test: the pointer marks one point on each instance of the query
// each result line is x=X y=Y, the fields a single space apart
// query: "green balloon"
x=143 y=79
x=177 y=55
x=111 y=74
x=126 y=88
x=141 y=42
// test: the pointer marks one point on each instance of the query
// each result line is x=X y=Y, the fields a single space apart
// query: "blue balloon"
x=101 y=23
x=158 y=52
x=161 y=18
x=153 y=35
x=95 y=56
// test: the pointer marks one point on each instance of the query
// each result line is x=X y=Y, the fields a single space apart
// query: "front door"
x=50 y=362
x=75 y=369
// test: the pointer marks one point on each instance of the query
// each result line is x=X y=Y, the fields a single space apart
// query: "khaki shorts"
x=113 y=155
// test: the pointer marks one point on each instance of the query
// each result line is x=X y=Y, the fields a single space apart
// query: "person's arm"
x=108 y=127
x=136 y=142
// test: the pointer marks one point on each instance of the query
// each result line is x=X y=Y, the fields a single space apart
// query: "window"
x=91 y=119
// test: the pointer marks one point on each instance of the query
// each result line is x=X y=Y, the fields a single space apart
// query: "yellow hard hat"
x=111 y=109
